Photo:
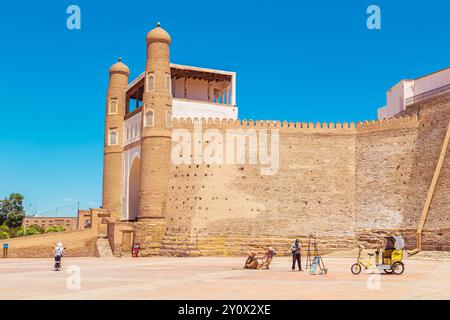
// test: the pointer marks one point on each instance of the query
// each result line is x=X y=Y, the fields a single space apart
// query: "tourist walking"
x=57 y=254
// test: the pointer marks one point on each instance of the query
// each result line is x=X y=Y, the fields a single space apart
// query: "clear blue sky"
x=295 y=61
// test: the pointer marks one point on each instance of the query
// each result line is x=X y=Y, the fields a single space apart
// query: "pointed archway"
x=133 y=189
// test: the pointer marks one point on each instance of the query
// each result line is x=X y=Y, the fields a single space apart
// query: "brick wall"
x=229 y=209
x=336 y=181
x=84 y=219
x=384 y=167
x=432 y=239
x=434 y=118
x=69 y=223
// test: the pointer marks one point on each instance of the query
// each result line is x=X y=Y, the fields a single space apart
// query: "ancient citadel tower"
x=343 y=182
x=114 y=125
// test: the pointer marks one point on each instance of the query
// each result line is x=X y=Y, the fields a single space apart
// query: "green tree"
x=55 y=229
x=11 y=210
x=4 y=231
x=39 y=229
x=23 y=232
x=33 y=230
x=18 y=232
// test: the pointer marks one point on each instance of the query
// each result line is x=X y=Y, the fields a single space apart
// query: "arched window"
x=150 y=81
x=113 y=106
x=149 y=118
x=168 y=119
x=168 y=83
x=113 y=137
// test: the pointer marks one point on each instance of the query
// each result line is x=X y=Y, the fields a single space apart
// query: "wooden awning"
x=196 y=74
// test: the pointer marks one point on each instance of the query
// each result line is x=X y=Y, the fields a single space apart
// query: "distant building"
x=408 y=92
x=70 y=223
x=84 y=219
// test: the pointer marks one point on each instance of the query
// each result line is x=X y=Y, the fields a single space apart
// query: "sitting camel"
x=255 y=262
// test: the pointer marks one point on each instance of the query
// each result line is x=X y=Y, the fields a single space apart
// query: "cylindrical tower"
x=113 y=146
x=156 y=127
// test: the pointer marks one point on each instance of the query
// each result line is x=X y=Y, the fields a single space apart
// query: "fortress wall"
x=183 y=197
x=434 y=116
x=384 y=165
x=231 y=209
x=342 y=182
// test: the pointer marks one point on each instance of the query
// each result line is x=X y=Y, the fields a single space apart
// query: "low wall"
x=241 y=246
x=82 y=243
x=179 y=245
x=432 y=239
x=182 y=245
x=79 y=243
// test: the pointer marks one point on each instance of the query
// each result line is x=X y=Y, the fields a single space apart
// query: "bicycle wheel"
x=356 y=268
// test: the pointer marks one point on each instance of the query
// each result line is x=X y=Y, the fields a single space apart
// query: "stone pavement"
x=213 y=278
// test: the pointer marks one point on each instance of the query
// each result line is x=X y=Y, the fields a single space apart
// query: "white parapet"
x=183 y=108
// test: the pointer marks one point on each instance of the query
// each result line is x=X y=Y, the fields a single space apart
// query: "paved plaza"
x=213 y=278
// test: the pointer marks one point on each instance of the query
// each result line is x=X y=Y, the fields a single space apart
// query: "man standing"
x=296 y=255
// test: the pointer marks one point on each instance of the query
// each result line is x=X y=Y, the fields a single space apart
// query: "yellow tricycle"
x=391 y=258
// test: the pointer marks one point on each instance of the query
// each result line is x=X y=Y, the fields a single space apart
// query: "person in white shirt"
x=58 y=253
x=399 y=241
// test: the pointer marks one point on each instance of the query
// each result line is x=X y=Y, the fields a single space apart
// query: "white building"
x=197 y=93
x=408 y=92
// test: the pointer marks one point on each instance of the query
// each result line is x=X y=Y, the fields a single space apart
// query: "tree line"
x=12 y=214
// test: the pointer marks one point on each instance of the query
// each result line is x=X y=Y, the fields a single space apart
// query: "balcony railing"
x=427 y=95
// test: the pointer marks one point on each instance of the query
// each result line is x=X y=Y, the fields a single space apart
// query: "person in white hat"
x=58 y=253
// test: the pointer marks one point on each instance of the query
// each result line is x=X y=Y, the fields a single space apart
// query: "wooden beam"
x=208 y=89
x=434 y=181
x=127 y=106
x=137 y=97
x=199 y=74
x=137 y=85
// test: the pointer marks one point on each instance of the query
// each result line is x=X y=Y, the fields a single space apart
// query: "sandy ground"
x=214 y=278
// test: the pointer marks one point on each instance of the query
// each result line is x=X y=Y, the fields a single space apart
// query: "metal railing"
x=427 y=95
